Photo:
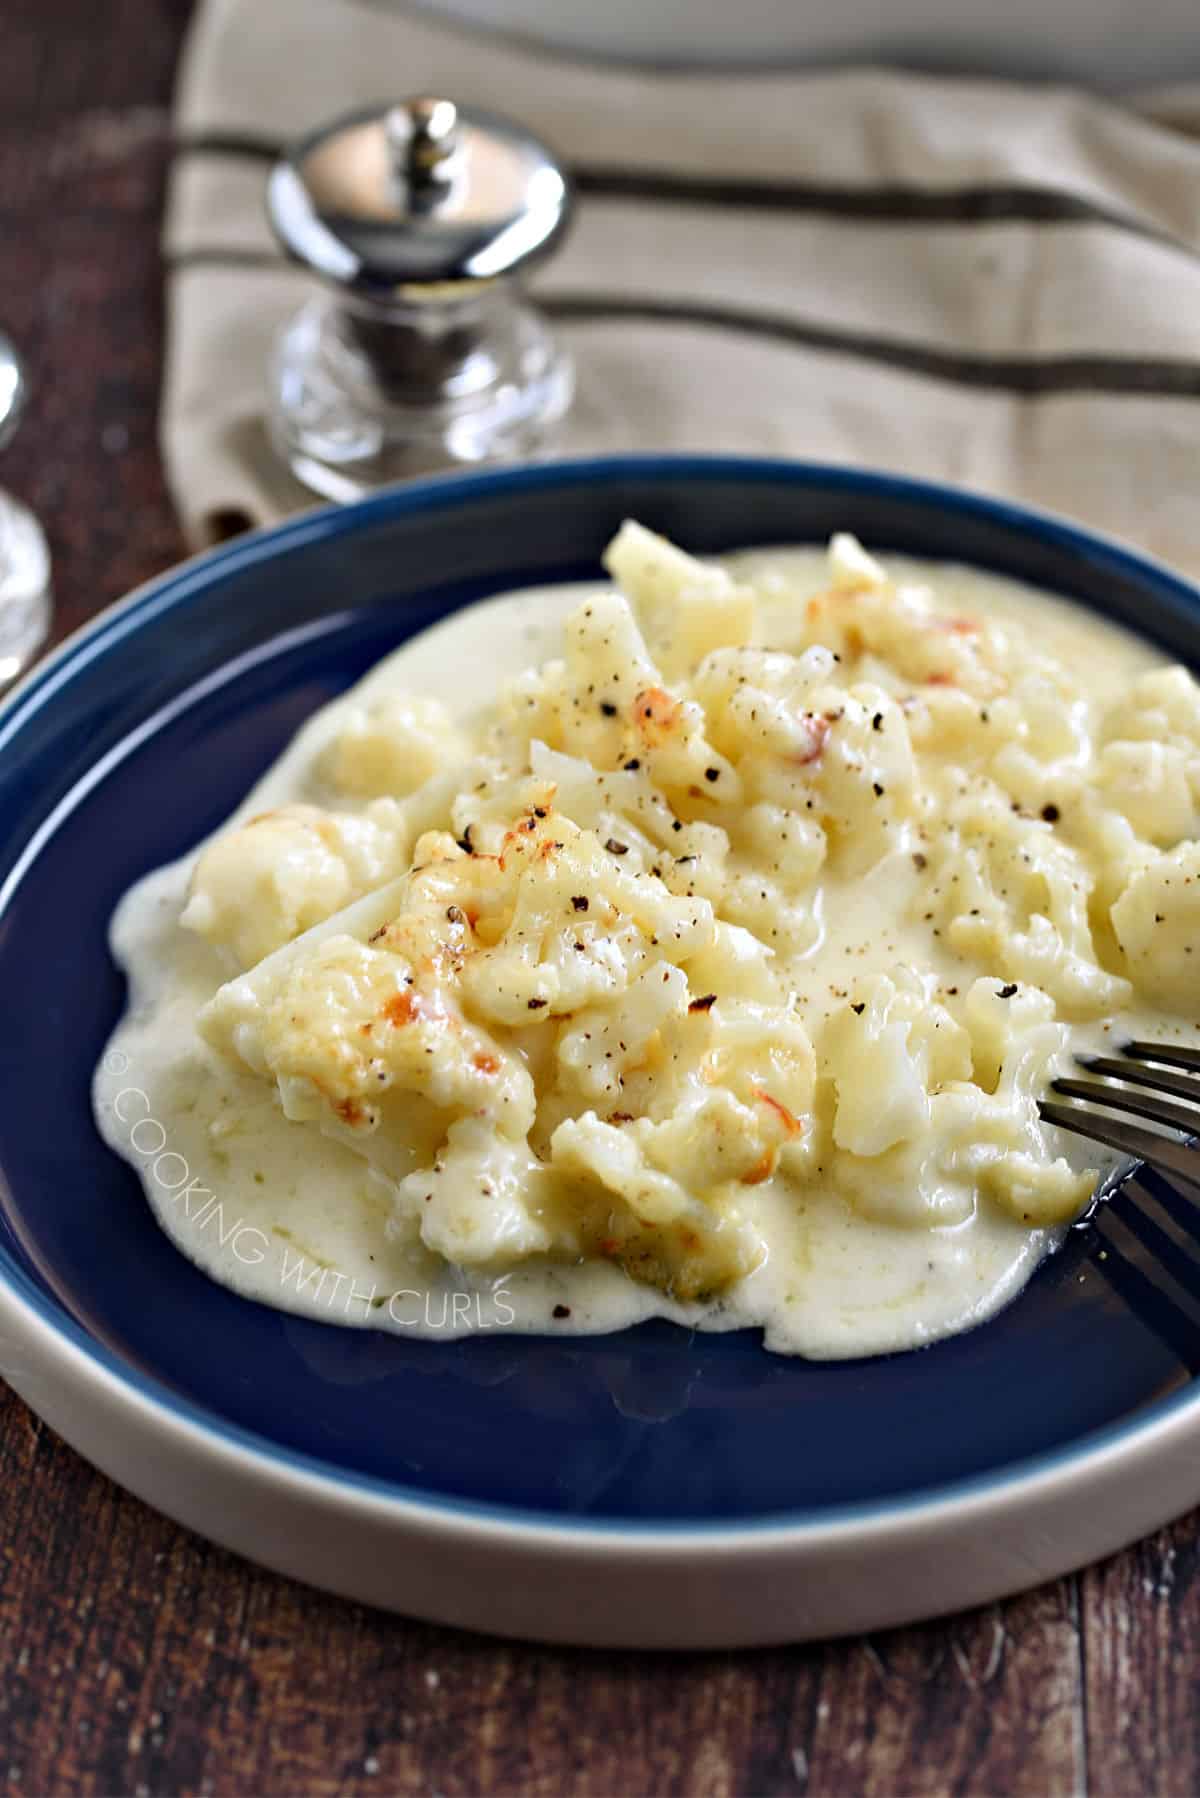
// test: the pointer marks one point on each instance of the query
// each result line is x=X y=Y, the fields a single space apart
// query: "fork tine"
x=1171 y=1053
x=1172 y=1252
x=1176 y=1205
x=1165 y=1307
x=1159 y=1111
x=1175 y=1158
x=1184 y=1086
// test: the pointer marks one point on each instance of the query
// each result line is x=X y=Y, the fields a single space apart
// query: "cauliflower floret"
x=583 y=703
x=946 y=721
x=350 y=1033
x=570 y=889
x=695 y=863
x=1005 y=1147
x=392 y=746
x=899 y=626
x=627 y=808
x=717 y=1090
x=1114 y=854
x=1149 y=767
x=758 y=705
x=598 y=800
x=1033 y=739
x=755 y=902
x=1037 y=737
x=851 y=567
x=918 y=1139
x=994 y=1013
x=606 y=704
x=885 y=1052
x=1150 y=784
x=864 y=781
x=791 y=844
x=601 y=1047
x=658 y=1233
x=735 y=961
x=685 y=607
x=477 y=1204
x=1010 y=893
x=1161 y=706
x=1157 y=923
x=764 y=1056
x=839 y=757
x=670 y=738
x=258 y=886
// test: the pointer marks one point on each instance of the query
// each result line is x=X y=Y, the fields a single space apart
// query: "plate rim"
x=1116 y=1450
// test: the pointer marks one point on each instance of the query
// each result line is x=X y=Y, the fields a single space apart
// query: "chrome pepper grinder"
x=24 y=557
x=422 y=353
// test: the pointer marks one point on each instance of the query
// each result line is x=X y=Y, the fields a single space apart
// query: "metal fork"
x=1171 y=1155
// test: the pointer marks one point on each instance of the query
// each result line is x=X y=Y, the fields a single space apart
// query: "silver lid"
x=12 y=389
x=414 y=196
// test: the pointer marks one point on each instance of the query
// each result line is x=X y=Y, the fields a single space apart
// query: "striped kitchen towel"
x=981 y=282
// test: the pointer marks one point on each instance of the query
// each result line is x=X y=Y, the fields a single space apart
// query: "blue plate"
x=147 y=730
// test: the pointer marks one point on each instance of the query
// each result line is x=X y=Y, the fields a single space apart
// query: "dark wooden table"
x=134 y=1657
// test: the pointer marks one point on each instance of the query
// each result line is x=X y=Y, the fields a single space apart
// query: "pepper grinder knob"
x=423 y=138
x=420 y=220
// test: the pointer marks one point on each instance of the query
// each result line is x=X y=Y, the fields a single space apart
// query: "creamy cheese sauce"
x=293 y=1219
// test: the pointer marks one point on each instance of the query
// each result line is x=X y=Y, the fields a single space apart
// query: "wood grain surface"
x=134 y=1657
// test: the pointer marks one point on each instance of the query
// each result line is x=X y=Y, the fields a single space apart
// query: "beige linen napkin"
x=991 y=284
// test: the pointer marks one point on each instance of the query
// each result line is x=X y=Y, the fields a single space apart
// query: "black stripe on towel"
x=245 y=144
x=892 y=203
x=1163 y=377
x=217 y=256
